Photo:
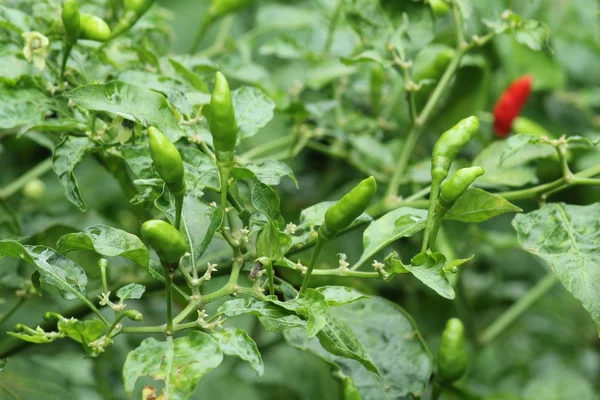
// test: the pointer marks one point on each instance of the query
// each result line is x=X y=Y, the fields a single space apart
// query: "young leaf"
x=477 y=205
x=83 y=332
x=236 y=342
x=402 y=222
x=66 y=156
x=180 y=363
x=312 y=305
x=134 y=103
x=106 y=241
x=429 y=269
x=567 y=238
x=314 y=215
x=131 y=291
x=340 y=295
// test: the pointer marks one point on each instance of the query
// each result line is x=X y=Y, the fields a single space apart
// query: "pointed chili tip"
x=221 y=83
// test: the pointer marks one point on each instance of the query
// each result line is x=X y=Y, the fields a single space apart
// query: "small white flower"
x=36 y=48
x=291 y=228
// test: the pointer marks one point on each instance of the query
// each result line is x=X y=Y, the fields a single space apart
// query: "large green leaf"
x=67 y=155
x=253 y=110
x=179 y=363
x=200 y=223
x=390 y=339
x=312 y=306
x=130 y=102
x=106 y=241
x=567 y=237
x=477 y=205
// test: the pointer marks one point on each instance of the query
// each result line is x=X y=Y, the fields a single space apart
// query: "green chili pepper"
x=439 y=7
x=340 y=215
x=218 y=8
x=93 y=28
x=452 y=353
x=134 y=9
x=450 y=144
x=133 y=315
x=71 y=21
x=167 y=160
x=350 y=390
x=168 y=242
x=221 y=120
x=429 y=66
x=456 y=185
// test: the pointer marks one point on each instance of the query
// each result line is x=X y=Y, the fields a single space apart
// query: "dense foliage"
x=320 y=199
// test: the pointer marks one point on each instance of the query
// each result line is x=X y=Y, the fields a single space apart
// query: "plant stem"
x=178 y=208
x=431 y=214
x=63 y=65
x=267 y=147
x=311 y=264
x=519 y=308
x=12 y=310
x=204 y=24
x=332 y=27
x=33 y=173
x=224 y=171
x=169 y=283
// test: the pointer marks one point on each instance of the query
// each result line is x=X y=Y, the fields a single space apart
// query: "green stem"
x=12 y=310
x=169 y=283
x=332 y=27
x=112 y=327
x=224 y=171
x=431 y=217
x=190 y=308
x=204 y=25
x=102 y=263
x=315 y=253
x=33 y=173
x=143 y=329
x=518 y=309
x=63 y=65
x=267 y=147
x=178 y=208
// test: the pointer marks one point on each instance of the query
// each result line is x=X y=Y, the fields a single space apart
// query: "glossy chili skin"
x=168 y=242
x=167 y=160
x=94 y=28
x=450 y=144
x=134 y=9
x=340 y=215
x=452 y=353
x=221 y=120
x=71 y=20
x=510 y=104
x=458 y=183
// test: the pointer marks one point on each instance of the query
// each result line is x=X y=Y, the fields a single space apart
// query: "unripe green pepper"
x=218 y=8
x=168 y=242
x=34 y=189
x=525 y=126
x=221 y=120
x=350 y=390
x=71 y=20
x=458 y=183
x=439 y=7
x=450 y=144
x=93 y=28
x=452 y=353
x=167 y=160
x=340 y=215
x=134 y=9
x=134 y=315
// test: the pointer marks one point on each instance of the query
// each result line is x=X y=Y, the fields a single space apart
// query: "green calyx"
x=450 y=144
x=71 y=20
x=452 y=353
x=340 y=215
x=167 y=160
x=168 y=242
x=458 y=183
x=221 y=119
x=93 y=28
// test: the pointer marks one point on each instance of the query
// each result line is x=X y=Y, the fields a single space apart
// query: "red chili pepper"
x=510 y=104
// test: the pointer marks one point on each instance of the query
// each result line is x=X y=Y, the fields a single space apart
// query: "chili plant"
x=327 y=199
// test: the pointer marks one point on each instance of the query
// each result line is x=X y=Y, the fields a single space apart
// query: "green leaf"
x=391 y=340
x=530 y=32
x=189 y=76
x=106 y=241
x=22 y=107
x=15 y=20
x=200 y=170
x=179 y=363
x=250 y=306
x=253 y=110
x=477 y=205
x=513 y=172
x=131 y=291
x=66 y=156
x=131 y=102
x=340 y=295
x=399 y=223
x=272 y=243
x=266 y=201
x=366 y=56
x=567 y=237
x=18 y=387
x=200 y=223
x=312 y=306
x=57 y=270
x=520 y=143
x=139 y=160
x=83 y=332
x=236 y=342
x=429 y=269
x=268 y=172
